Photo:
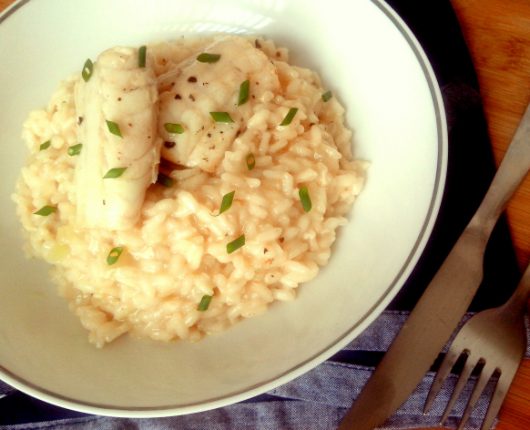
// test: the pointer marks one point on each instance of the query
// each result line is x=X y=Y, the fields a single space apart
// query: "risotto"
x=207 y=187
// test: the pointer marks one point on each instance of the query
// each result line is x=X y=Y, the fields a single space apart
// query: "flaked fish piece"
x=195 y=89
x=117 y=109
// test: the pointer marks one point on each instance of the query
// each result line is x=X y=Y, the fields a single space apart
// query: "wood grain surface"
x=498 y=35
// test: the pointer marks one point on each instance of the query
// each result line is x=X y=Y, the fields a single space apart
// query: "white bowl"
x=374 y=65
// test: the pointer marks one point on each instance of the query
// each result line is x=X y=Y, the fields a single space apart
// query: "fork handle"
x=518 y=302
x=510 y=174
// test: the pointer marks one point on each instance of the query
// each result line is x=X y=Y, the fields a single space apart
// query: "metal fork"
x=494 y=342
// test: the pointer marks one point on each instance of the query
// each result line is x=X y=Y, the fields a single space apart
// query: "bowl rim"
x=369 y=316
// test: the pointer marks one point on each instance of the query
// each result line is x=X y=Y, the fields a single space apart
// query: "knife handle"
x=510 y=174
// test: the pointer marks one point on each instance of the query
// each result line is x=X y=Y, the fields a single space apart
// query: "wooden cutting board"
x=498 y=36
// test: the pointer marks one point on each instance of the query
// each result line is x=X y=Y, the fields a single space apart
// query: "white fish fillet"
x=195 y=89
x=126 y=94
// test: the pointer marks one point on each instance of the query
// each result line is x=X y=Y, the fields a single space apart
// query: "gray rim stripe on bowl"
x=329 y=350
x=12 y=10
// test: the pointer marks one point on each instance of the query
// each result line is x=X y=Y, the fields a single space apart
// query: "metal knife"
x=445 y=300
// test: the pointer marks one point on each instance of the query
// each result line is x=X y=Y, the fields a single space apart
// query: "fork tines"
x=485 y=374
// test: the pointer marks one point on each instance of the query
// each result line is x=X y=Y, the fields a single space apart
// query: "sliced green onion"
x=45 y=210
x=88 y=68
x=208 y=58
x=165 y=180
x=326 y=96
x=226 y=203
x=116 y=172
x=45 y=145
x=221 y=117
x=204 y=303
x=114 y=255
x=289 y=117
x=243 y=92
x=75 y=149
x=114 y=128
x=305 y=199
x=251 y=161
x=235 y=244
x=142 y=51
x=174 y=128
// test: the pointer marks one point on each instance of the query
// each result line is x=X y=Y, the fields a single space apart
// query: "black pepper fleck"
x=177 y=97
x=191 y=97
x=119 y=99
x=168 y=144
x=209 y=135
x=192 y=79
x=80 y=120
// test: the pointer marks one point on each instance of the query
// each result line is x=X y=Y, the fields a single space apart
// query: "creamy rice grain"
x=176 y=253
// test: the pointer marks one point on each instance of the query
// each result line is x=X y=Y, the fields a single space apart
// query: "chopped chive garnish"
x=235 y=244
x=326 y=96
x=45 y=145
x=75 y=149
x=174 y=128
x=114 y=128
x=243 y=92
x=208 y=58
x=226 y=203
x=251 y=161
x=305 y=199
x=45 y=210
x=221 y=117
x=204 y=303
x=165 y=180
x=88 y=68
x=114 y=255
x=289 y=117
x=142 y=51
x=116 y=172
